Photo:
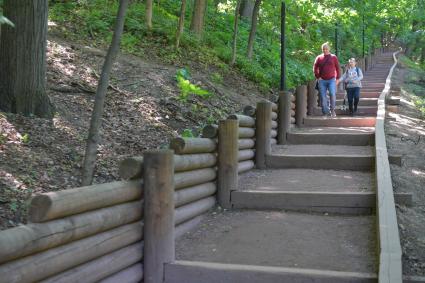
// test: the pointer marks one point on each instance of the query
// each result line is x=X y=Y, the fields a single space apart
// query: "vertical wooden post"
x=227 y=160
x=311 y=97
x=263 y=125
x=300 y=104
x=158 y=228
x=284 y=116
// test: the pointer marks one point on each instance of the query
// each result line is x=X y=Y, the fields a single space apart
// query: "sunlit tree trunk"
x=253 y=30
x=96 y=118
x=235 y=32
x=181 y=23
x=148 y=16
x=23 y=59
x=197 y=23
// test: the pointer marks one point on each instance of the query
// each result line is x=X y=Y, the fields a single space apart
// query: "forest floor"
x=142 y=111
x=406 y=137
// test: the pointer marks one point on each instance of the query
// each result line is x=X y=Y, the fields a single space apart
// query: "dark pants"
x=353 y=93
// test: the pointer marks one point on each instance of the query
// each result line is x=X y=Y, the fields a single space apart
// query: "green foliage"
x=309 y=24
x=187 y=133
x=25 y=138
x=187 y=88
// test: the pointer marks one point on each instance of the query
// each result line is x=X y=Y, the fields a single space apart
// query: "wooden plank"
x=301 y=104
x=206 y=272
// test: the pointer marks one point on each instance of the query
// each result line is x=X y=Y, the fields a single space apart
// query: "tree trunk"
x=247 y=8
x=197 y=24
x=254 y=21
x=23 y=59
x=181 y=23
x=96 y=119
x=235 y=32
x=149 y=14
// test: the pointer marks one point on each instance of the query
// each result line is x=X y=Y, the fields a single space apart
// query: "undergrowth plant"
x=187 y=88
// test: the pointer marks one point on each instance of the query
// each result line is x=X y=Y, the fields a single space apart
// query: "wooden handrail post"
x=311 y=97
x=300 y=104
x=227 y=160
x=263 y=124
x=158 y=178
x=284 y=118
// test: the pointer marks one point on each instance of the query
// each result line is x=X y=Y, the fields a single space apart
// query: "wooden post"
x=228 y=151
x=284 y=118
x=159 y=213
x=263 y=130
x=311 y=97
x=301 y=105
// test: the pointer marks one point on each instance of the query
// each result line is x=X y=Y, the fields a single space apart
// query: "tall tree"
x=23 y=59
x=148 y=13
x=197 y=24
x=247 y=8
x=253 y=30
x=96 y=118
x=235 y=32
x=181 y=23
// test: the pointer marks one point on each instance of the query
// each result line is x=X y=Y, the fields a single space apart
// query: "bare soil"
x=142 y=111
x=406 y=136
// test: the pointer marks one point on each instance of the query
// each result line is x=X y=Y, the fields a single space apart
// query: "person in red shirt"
x=327 y=72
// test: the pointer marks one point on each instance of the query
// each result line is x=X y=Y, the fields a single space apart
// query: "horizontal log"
x=274 y=107
x=132 y=167
x=273 y=141
x=59 y=204
x=292 y=106
x=195 y=177
x=292 y=113
x=274 y=116
x=245 y=154
x=292 y=120
x=246 y=143
x=249 y=110
x=274 y=98
x=245 y=166
x=191 y=194
x=246 y=132
x=293 y=98
x=101 y=267
x=132 y=274
x=192 y=145
x=64 y=257
x=210 y=131
x=273 y=133
x=274 y=125
x=244 y=120
x=193 y=209
x=35 y=237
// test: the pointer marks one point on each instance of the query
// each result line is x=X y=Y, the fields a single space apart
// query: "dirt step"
x=364 y=101
x=361 y=111
x=284 y=239
x=341 y=121
x=361 y=158
x=334 y=136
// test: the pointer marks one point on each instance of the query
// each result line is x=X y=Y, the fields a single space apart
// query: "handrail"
x=390 y=267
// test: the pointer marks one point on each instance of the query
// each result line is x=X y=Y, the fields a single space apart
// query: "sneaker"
x=333 y=114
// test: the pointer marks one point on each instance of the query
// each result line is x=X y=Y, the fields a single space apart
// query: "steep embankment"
x=142 y=111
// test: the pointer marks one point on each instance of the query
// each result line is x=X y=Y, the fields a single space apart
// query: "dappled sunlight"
x=418 y=173
x=11 y=181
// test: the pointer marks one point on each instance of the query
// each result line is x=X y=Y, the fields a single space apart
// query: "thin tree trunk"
x=235 y=32
x=23 y=59
x=197 y=24
x=149 y=9
x=96 y=118
x=253 y=30
x=181 y=23
x=247 y=8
